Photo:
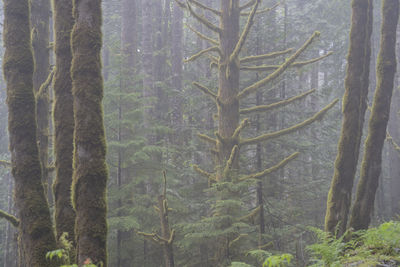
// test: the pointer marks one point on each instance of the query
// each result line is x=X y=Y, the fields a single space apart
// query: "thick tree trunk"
x=90 y=170
x=63 y=119
x=354 y=106
x=372 y=161
x=36 y=232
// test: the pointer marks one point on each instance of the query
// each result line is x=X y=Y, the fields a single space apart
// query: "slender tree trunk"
x=372 y=161
x=176 y=58
x=354 y=106
x=8 y=240
x=90 y=170
x=35 y=228
x=63 y=119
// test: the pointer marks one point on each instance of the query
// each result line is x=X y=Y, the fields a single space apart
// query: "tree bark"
x=372 y=161
x=35 y=228
x=90 y=170
x=63 y=119
x=354 y=106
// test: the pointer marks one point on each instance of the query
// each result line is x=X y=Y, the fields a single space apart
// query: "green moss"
x=90 y=170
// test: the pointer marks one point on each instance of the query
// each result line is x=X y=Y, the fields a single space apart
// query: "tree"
x=354 y=106
x=63 y=119
x=90 y=170
x=35 y=228
x=228 y=141
x=372 y=160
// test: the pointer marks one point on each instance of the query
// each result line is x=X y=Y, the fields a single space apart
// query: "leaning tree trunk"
x=354 y=106
x=63 y=119
x=40 y=18
x=372 y=161
x=90 y=170
x=36 y=232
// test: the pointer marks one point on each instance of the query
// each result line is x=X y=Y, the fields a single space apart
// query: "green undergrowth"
x=372 y=247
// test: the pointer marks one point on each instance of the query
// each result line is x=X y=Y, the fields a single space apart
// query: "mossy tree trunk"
x=90 y=170
x=372 y=160
x=354 y=106
x=35 y=228
x=40 y=18
x=63 y=119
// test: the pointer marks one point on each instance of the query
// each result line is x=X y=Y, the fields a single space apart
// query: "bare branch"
x=212 y=10
x=202 y=52
x=202 y=36
x=10 y=218
x=154 y=237
x=271 y=169
x=262 y=138
x=271 y=77
x=181 y=4
x=275 y=105
x=248 y=4
x=203 y=20
x=274 y=67
x=5 y=163
x=237 y=239
x=205 y=90
x=265 y=10
x=246 y=30
x=265 y=56
x=207 y=139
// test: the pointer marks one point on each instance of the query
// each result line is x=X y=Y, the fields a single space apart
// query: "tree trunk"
x=354 y=106
x=63 y=119
x=36 y=232
x=90 y=170
x=371 y=165
x=40 y=17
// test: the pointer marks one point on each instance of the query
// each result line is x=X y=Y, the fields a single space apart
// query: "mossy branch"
x=229 y=163
x=202 y=36
x=274 y=67
x=207 y=139
x=246 y=30
x=265 y=56
x=244 y=124
x=274 y=168
x=265 y=137
x=250 y=217
x=10 y=218
x=212 y=10
x=279 y=104
x=265 y=10
x=181 y=4
x=154 y=237
x=203 y=172
x=204 y=51
x=389 y=138
x=5 y=163
x=45 y=85
x=237 y=239
x=248 y=4
x=205 y=90
x=203 y=20
x=271 y=77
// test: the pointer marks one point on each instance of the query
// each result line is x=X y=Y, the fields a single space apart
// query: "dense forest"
x=199 y=133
